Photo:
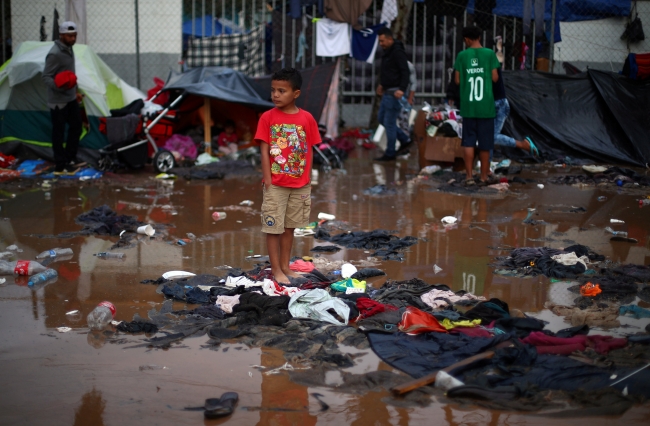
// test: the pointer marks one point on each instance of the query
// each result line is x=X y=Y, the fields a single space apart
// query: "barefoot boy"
x=288 y=133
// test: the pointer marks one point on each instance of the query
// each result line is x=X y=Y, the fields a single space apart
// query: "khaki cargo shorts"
x=285 y=208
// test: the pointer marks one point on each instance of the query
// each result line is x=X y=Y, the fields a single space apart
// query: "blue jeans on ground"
x=389 y=109
x=502 y=108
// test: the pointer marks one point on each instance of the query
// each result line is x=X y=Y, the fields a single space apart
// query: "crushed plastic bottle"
x=42 y=277
x=21 y=267
x=644 y=202
x=109 y=255
x=216 y=216
x=101 y=316
x=55 y=252
x=246 y=203
x=616 y=233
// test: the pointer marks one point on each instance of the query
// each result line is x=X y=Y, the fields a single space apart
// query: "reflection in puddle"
x=90 y=411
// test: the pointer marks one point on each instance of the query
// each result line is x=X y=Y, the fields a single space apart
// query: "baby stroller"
x=125 y=150
x=324 y=154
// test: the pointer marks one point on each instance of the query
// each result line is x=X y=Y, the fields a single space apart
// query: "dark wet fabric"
x=326 y=249
x=364 y=273
x=137 y=327
x=379 y=190
x=386 y=246
x=405 y=293
x=207 y=311
x=610 y=176
x=386 y=321
x=614 y=287
x=537 y=261
x=573 y=331
x=218 y=170
x=491 y=310
x=638 y=272
x=426 y=353
x=103 y=220
x=189 y=295
x=254 y=308
x=521 y=327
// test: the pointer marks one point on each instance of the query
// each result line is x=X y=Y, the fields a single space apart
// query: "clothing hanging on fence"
x=332 y=38
x=364 y=43
x=388 y=12
x=295 y=7
x=346 y=10
x=241 y=52
x=539 y=16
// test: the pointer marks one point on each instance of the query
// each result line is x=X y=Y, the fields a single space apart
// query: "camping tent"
x=225 y=92
x=24 y=114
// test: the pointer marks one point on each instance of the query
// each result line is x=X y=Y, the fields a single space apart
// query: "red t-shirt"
x=225 y=139
x=290 y=138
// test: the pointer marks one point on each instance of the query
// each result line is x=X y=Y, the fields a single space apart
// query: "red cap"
x=65 y=80
x=109 y=305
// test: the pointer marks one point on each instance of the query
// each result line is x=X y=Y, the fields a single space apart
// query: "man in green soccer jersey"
x=476 y=70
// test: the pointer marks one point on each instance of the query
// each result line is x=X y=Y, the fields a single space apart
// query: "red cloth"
x=225 y=139
x=565 y=346
x=368 y=307
x=415 y=321
x=302 y=266
x=471 y=331
x=293 y=135
x=65 y=80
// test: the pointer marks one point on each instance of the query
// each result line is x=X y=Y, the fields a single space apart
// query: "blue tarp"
x=207 y=20
x=569 y=10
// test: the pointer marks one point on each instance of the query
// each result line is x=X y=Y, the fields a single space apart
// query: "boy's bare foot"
x=290 y=273
x=281 y=278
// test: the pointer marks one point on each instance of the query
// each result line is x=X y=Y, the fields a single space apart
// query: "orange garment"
x=590 y=290
x=415 y=321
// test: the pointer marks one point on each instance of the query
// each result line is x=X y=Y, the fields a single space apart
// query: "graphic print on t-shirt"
x=288 y=150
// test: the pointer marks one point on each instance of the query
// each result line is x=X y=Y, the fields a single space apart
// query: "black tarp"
x=315 y=86
x=219 y=83
x=596 y=115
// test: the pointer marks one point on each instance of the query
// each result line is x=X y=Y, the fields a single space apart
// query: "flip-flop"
x=469 y=182
x=220 y=407
x=533 y=148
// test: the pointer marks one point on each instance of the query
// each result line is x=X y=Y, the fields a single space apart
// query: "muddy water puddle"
x=80 y=378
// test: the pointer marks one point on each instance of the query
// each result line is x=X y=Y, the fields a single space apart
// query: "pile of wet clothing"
x=216 y=170
x=613 y=176
x=417 y=328
x=553 y=263
x=385 y=245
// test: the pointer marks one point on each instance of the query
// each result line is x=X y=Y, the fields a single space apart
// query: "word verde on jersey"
x=475 y=67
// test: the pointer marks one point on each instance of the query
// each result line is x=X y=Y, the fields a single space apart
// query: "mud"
x=90 y=378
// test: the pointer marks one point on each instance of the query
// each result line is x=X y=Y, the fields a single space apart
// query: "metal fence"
x=141 y=39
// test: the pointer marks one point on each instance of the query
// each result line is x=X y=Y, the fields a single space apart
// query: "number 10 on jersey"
x=475 y=88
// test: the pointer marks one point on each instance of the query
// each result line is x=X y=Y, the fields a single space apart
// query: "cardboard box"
x=440 y=148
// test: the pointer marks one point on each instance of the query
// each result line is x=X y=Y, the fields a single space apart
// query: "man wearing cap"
x=63 y=98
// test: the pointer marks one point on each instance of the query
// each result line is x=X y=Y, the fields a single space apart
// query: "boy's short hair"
x=472 y=33
x=291 y=75
x=385 y=32
x=229 y=123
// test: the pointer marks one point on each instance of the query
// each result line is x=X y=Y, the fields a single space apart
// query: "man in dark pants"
x=63 y=99
x=394 y=81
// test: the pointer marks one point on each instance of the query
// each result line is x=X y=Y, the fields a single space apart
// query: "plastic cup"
x=146 y=230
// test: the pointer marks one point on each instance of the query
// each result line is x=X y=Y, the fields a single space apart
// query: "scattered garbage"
x=347 y=270
x=602 y=198
x=54 y=253
x=326 y=216
x=14 y=247
x=540 y=185
x=594 y=169
x=644 y=202
x=215 y=408
x=246 y=203
x=174 y=275
x=446 y=382
x=616 y=233
x=347 y=284
x=449 y=220
x=429 y=170
x=146 y=230
x=63 y=329
x=616 y=221
x=436 y=269
x=21 y=267
x=75 y=312
x=42 y=277
x=205 y=158
x=217 y=216
x=110 y=255
x=101 y=316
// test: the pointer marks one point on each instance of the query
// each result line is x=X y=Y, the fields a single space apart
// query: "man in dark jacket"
x=62 y=98
x=394 y=81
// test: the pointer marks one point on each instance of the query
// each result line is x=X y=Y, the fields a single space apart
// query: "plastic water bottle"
x=219 y=216
x=42 y=277
x=101 y=316
x=54 y=253
x=644 y=202
x=109 y=255
x=21 y=267
x=616 y=233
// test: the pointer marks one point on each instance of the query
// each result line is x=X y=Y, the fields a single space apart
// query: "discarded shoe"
x=220 y=407
x=384 y=158
x=533 y=149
